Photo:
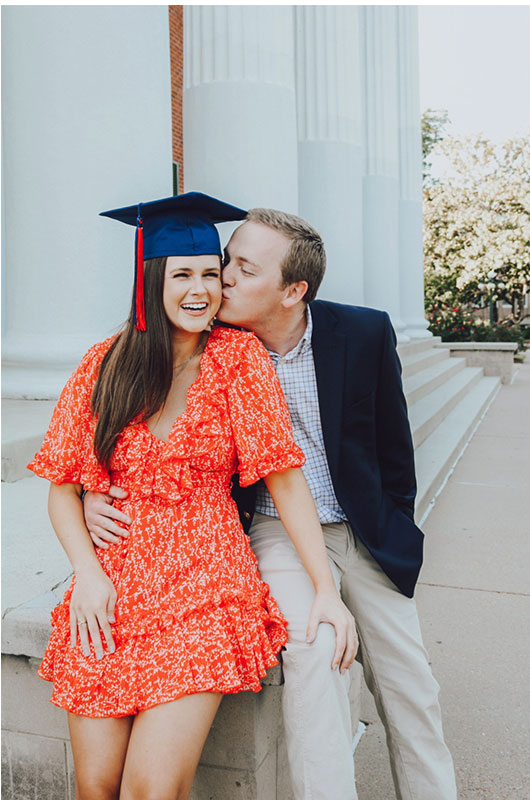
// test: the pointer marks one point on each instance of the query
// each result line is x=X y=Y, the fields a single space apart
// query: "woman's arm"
x=94 y=596
x=298 y=513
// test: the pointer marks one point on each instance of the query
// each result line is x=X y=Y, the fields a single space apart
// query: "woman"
x=155 y=629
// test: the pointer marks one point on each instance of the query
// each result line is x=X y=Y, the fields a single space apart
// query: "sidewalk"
x=474 y=606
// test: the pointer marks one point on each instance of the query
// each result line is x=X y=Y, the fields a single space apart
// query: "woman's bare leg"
x=165 y=747
x=99 y=747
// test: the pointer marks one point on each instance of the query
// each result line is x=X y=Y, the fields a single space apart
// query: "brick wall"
x=176 y=58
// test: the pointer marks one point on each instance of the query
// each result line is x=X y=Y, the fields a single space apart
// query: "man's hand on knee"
x=101 y=518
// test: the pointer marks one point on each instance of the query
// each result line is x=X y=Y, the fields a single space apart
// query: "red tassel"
x=140 y=303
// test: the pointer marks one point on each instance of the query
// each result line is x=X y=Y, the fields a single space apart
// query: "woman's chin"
x=194 y=325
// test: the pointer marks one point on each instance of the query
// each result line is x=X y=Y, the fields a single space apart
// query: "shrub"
x=456 y=324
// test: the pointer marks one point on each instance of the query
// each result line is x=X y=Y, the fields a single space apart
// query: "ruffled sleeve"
x=260 y=419
x=67 y=452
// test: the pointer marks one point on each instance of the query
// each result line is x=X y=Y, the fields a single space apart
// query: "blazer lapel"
x=329 y=354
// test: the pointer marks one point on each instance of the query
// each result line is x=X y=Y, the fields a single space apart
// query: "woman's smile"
x=195 y=309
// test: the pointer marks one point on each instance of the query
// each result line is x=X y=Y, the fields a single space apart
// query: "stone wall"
x=496 y=358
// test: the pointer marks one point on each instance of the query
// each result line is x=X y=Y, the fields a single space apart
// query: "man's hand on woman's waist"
x=101 y=518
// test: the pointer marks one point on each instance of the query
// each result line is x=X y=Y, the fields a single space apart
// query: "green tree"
x=433 y=130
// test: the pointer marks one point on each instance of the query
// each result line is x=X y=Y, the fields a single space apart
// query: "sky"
x=475 y=62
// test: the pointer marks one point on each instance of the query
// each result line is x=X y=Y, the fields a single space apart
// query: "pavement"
x=474 y=606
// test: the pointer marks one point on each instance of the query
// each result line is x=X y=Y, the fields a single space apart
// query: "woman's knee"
x=149 y=787
x=95 y=787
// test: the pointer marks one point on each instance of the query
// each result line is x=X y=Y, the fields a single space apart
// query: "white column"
x=330 y=169
x=87 y=127
x=410 y=173
x=239 y=104
x=381 y=183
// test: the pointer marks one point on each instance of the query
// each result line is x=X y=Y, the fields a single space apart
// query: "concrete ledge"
x=496 y=358
x=27 y=628
x=36 y=767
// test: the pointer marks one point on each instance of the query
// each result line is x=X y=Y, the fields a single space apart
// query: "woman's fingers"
x=73 y=627
x=91 y=628
x=91 y=611
x=111 y=607
x=351 y=649
x=312 y=626
x=82 y=627
x=328 y=607
x=104 y=626
x=340 y=645
x=95 y=635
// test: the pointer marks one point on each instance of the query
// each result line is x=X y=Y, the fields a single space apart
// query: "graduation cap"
x=182 y=225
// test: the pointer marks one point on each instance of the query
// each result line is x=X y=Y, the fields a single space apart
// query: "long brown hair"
x=135 y=375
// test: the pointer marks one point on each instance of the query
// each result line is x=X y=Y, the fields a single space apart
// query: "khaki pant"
x=395 y=663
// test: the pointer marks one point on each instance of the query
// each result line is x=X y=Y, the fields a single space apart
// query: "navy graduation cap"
x=182 y=225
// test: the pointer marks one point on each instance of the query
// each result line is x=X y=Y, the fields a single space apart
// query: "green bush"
x=455 y=324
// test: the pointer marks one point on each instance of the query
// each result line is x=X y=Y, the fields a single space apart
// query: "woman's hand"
x=297 y=511
x=92 y=610
x=328 y=607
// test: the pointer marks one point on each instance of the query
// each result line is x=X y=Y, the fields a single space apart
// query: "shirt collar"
x=303 y=344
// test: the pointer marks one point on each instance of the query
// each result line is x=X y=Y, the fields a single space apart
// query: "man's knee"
x=320 y=651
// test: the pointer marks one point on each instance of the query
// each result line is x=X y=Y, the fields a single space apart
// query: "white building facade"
x=311 y=109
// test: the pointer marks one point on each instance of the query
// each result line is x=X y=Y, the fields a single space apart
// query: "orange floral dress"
x=192 y=614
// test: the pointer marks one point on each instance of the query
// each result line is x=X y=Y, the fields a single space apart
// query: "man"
x=342 y=381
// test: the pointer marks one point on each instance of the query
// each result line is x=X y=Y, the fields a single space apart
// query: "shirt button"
x=246 y=514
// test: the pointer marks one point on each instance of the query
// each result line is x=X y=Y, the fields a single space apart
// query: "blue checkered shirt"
x=296 y=371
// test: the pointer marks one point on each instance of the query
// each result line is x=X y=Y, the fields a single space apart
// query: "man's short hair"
x=306 y=258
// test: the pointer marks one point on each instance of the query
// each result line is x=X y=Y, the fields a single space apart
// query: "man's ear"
x=294 y=293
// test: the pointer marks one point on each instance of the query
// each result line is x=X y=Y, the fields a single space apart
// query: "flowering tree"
x=477 y=224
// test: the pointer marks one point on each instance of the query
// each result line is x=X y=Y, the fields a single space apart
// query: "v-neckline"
x=186 y=407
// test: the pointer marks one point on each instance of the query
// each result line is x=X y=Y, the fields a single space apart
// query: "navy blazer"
x=366 y=435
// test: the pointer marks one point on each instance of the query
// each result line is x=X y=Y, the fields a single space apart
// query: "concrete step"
x=438 y=452
x=422 y=383
x=417 y=346
x=426 y=414
x=24 y=423
x=416 y=362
